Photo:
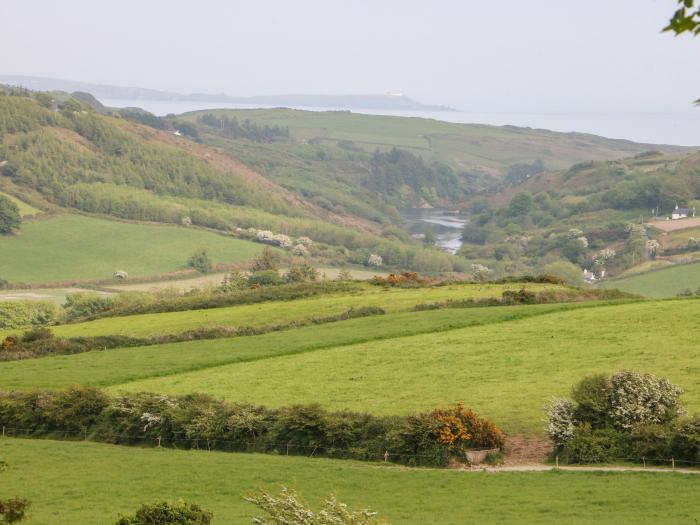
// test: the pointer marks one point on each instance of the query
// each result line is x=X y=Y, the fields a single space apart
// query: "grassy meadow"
x=118 y=366
x=666 y=282
x=505 y=362
x=280 y=312
x=74 y=482
x=83 y=248
x=507 y=371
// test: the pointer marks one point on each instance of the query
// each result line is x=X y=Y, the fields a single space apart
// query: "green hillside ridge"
x=436 y=162
x=51 y=473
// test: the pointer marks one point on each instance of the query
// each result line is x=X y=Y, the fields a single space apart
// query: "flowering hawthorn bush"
x=629 y=414
x=288 y=508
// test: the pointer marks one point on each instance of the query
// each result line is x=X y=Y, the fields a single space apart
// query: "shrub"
x=267 y=260
x=301 y=273
x=86 y=304
x=300 y=250
x=164 y=513
x=200 y=261
x=595 y=446
x=402 y=280
x=288 y=508
x=13 y=510
x=560 y=420
x=196 y=420
x=16 y=314
x=591 y=396
x=37 y=334
x=521 y=296
x=685 y=441
x=265 y=278
x=374 y=260
x=637 y=398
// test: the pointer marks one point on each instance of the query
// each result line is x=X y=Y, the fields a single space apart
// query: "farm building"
x=681 y=213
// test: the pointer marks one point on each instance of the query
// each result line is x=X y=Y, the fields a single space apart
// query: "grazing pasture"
x=74 y=482
x=666 y=282
x=84 y=248
x=506 y=371
x=117 y=366
x=279 y=312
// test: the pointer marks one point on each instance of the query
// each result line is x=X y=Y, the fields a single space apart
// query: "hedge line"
x=199 y=421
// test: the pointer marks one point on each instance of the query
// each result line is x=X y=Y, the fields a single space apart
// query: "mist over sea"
x=682 y=129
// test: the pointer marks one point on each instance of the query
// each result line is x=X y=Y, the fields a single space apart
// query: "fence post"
x=158 y=441
x=673 y=464
x=644 y=461
x=288 y=449
x=557 y=460
x=86 y=434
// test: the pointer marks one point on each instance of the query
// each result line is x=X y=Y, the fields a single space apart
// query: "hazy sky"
x=511 y=55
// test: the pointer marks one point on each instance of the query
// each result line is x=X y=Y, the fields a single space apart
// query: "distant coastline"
x=381 y=101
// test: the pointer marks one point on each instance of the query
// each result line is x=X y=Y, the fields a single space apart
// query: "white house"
x=679 y=213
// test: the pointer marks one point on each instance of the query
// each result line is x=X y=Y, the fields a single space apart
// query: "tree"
x=10 y=218
x=520 y=204
x=200 y=261
x=429 y=237
x=685 y=19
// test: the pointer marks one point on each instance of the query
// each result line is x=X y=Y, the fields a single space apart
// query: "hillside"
x=595 y=215
x=342 y=159
x=57 y=154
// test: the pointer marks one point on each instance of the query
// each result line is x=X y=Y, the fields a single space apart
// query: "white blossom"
x=375 y=260
x=560 y=420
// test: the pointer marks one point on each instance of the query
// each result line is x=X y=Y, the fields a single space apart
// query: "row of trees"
x=231 y=128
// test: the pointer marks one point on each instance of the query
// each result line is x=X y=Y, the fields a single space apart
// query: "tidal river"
x=446 y=224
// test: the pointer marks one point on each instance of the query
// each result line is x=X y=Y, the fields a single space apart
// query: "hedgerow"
x=199 y=421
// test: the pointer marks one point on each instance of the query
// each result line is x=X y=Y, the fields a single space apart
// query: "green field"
x=24 y=208
x=506 y=371
x=74 y=247
x=506 y=362
x=279 y=312
x=667 y=282
x=90 y=483
x=114 y=367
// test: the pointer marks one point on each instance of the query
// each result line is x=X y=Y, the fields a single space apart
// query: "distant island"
x=389 y=100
